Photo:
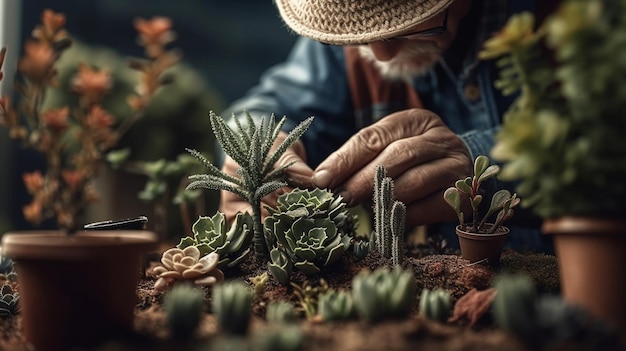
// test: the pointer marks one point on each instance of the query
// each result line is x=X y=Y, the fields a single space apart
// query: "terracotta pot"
x=592 y=255
x=478 y=247
x=80 y=290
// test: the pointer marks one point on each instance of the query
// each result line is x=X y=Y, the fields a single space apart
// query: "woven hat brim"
x=356 y=22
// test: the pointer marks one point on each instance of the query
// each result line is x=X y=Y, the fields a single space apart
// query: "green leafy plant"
x=469 y=189
x=336 y=305
x=212 y=234
x=435 y=304
x=232 y=304
x=563 y=137
x=384 y=293
x=187 y=265
x=250 y=146
x=183 y=310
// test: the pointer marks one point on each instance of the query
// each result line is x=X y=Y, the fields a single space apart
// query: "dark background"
x=228 y=43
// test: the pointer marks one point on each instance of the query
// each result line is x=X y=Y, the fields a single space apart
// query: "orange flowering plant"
x=75 y=140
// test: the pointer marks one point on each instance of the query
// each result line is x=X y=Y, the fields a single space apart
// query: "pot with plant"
x=563 y=140
x=479 y=239
x=76 y=287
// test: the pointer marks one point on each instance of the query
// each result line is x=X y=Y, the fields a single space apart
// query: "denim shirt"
x=313 y=82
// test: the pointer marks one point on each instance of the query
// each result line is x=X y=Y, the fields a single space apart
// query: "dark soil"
x=447 y=271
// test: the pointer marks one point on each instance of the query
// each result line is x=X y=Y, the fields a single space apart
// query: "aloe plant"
x=250 y=145
x=212 y=234
x=502 y=201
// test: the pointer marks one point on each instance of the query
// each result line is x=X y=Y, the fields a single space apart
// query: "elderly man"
x=391 y=82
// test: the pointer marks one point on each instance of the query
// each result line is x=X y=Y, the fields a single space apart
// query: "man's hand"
x=298 y=174
x=420 y=153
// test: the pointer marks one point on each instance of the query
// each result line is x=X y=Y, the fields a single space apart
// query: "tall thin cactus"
x=389 y=218
x=250 y=146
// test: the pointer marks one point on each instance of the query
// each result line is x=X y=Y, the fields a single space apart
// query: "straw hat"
x=344 y=22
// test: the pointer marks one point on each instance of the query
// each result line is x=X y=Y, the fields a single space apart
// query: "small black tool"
x=136 y=223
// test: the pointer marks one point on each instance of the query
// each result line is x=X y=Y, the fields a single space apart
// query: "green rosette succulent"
x=212 y=234
x=318 y=203
x=309 y=243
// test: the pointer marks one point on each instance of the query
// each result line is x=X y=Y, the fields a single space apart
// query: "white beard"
x=414 y=60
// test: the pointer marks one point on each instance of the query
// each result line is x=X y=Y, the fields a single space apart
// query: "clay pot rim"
x=52 y=244
x=480 y=236
x=583 y=225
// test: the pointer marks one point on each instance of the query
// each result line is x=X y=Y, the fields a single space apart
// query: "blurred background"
x=226 y=46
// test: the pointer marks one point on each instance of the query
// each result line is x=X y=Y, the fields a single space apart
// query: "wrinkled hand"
x=299 y=174
x=420 y=153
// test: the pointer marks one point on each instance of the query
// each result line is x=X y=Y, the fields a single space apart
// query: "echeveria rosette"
x=318 y=203
x=310 y=243
x=212 y=234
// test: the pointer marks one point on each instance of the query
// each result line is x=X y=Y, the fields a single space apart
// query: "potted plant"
x=479 y=239
x=76 y=288
x=563 y=140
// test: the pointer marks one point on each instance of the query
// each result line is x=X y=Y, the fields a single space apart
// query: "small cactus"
x=515 y=304
x=281 y=312
x=383 y=293
x=232 y=304
x=183 y=307
x=389 y=219
x=336 y=305
x=285 y=338
x=435 y=304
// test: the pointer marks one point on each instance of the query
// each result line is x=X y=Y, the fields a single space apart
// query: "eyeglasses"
x=431 y=32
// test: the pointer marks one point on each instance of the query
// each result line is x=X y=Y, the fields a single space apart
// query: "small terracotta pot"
x=592 y=255
x=478 y=247
x=79 y=290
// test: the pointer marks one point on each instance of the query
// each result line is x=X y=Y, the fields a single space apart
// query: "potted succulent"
x=76 y=287
x=479 y=239
x=563 y=140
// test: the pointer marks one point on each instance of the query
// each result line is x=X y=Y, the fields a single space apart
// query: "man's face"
x=411 y=55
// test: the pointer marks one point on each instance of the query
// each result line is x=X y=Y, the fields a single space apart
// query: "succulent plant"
x=9 y=301
x=186 y=264
x=285 y=338
x=360 y=249
x=281 y=312
x=515 y=305
x=435 y=304
x=383 y=293
x=309 y=243
x=232 y=304
x=336 y=305
x=211 y=234
x=183 y=307
x=389 y=219
x=308 y=296
x=469 y=187
x=250 y=146
x=6 y=265
x=319 y=203
x=259 y=282
x=280 y=266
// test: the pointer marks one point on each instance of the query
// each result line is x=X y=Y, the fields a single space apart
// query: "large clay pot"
x=77 y=291
x=592 y=255
x=482 y=247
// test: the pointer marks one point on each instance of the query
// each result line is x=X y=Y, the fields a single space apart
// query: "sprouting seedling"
x=469 y=188
x=250 y=146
